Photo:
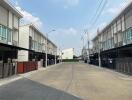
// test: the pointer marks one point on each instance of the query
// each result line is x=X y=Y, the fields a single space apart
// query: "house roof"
x=6 y=4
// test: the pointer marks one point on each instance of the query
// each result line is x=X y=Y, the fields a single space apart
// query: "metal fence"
x=124 y=65
x=23 y=67
x=6 y=70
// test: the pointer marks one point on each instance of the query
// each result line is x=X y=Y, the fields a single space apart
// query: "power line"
x=95 y=14
x=99 y=13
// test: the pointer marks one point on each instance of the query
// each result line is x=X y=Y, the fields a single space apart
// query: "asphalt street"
x=70 y=81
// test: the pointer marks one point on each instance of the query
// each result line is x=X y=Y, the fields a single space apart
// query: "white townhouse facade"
x=51 y=48
x=118 y=33
x=9 y=38
x=35 y=41
x=9 y=29
x=115 y=41
x=32 y=39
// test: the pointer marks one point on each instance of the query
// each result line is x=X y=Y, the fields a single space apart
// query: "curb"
x=20 y=76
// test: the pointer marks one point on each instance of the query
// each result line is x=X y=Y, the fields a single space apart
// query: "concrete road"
x=70 y=81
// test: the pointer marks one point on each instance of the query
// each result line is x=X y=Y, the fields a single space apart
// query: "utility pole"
x=88 y=43
x=46 y=50
x=99 y=55
x=46 y=56
x=82 y=39
x=55 y=56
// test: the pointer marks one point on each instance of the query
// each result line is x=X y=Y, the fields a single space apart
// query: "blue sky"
x=68 y=17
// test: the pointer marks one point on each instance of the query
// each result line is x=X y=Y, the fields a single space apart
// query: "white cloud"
x=29 y=18
x=67 y=3
x=116 y=9
x=72 y=2
x=68 y=31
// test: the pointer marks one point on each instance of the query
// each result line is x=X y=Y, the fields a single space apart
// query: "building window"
x=5 y=34
x=127 y=36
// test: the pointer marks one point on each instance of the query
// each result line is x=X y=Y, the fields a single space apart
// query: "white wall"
x=22 y=55
x=10 y=20
x=3 y=16
x=24 y=43
x=24 y=37
x=16 y=22
x=68 y=53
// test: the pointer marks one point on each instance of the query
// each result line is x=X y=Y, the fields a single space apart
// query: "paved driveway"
x=70 y=81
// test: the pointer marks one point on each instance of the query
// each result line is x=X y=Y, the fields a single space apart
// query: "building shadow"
x=25 y=89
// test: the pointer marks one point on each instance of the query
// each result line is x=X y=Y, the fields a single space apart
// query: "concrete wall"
x=23 y=55
x=24 y=37
x=3 y=16
x=24 y=43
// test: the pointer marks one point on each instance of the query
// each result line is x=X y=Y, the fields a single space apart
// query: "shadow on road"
x=26 y=89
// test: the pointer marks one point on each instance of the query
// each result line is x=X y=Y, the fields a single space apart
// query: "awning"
x=13 y=47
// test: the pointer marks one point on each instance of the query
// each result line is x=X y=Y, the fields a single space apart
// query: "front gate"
x=6 y=70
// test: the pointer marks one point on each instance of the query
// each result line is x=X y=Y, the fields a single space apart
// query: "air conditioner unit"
x=10 y=43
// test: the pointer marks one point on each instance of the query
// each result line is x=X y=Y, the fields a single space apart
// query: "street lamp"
x=47 y=46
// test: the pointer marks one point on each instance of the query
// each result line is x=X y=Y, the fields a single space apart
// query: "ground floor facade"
x=8 y=60
x=30 y=55
x=119 y=59
x=12 y=58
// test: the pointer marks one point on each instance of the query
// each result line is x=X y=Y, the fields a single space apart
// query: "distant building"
x=68 y=53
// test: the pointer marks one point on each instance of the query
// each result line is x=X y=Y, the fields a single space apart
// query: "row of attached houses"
x=21 y=46
x=114 y=43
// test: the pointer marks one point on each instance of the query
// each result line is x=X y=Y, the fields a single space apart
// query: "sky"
x=70 y=18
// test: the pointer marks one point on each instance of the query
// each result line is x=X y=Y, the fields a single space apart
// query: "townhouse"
x=9 y=38
x=32 y=39
x=22 y=48
x=114 y=43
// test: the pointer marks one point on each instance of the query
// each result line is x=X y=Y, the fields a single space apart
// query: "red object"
x=23 y=67
x=20 y=67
